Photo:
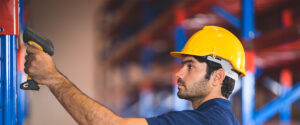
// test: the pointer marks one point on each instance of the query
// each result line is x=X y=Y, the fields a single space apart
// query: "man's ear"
x=218 y=76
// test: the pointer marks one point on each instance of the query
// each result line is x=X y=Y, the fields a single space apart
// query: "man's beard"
x=199 y=89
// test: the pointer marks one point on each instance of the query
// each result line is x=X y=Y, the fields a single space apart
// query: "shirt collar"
x=217 y=101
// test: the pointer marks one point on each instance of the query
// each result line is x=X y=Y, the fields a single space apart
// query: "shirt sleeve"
x=178 y=118
x=165 y=119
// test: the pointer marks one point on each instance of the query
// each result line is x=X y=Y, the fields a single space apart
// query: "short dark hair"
x=228 y=83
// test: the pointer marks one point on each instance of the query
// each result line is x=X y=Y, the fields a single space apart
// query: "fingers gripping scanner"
x=32 y=38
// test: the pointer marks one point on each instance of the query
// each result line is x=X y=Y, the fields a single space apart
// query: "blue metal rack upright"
x=8 y=79
x=9 y=20
x=248 y=82
x=21 y=94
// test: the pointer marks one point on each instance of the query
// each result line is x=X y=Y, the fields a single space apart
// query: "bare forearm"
x=82 y=108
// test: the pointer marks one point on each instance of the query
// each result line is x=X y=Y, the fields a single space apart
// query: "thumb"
x=32 y=49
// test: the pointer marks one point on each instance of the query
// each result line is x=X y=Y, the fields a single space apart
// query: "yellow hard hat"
x=217 y=42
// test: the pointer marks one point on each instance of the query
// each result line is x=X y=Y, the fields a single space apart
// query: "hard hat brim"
x=176 y=54
x=181 y=54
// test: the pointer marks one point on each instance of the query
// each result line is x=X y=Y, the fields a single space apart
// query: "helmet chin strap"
x=226 y=66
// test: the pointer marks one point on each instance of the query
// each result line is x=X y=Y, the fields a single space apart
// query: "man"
x=213 y=59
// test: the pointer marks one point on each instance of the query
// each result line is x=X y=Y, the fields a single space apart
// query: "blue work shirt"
x=212 y=112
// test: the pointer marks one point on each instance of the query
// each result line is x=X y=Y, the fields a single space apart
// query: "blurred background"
x=117 y=52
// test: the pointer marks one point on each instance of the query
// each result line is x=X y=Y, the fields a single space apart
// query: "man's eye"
x=189 y=67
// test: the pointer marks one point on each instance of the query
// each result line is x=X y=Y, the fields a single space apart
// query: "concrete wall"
x=70 y=26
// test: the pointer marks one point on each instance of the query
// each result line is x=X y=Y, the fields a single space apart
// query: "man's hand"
x=40 y=67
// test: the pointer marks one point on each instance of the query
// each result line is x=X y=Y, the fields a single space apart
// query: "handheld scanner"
x=32 y=38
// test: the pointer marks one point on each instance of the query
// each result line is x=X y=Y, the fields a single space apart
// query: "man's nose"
x=180 y=73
